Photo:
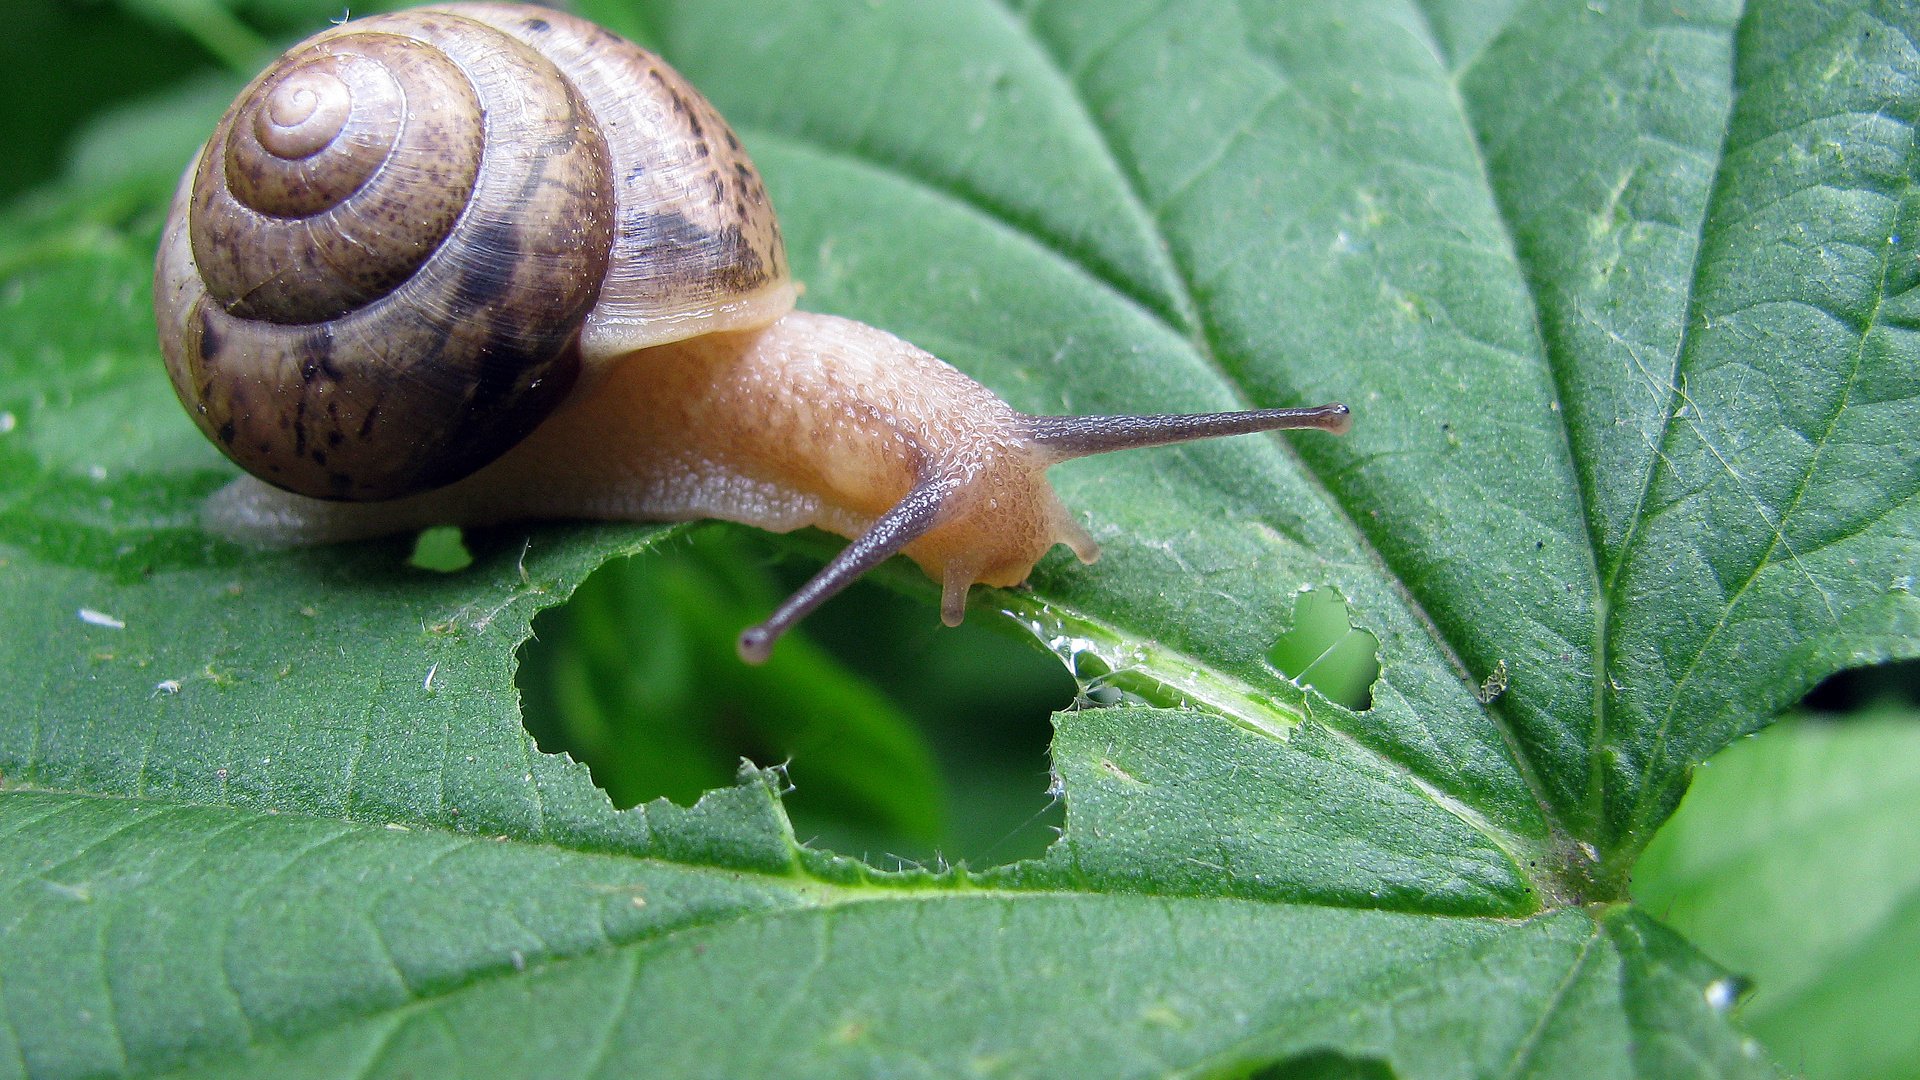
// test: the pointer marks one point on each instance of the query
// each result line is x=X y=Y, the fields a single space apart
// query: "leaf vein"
x=596 y=1061
x=1778 y=526
x=1530 y=1043
x=1607 y=600
x=1517 y=747
x=1183 y=300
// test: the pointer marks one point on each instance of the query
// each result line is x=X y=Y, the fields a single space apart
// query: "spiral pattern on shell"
x=404 y=240
x=335 y=178
x=365 y=302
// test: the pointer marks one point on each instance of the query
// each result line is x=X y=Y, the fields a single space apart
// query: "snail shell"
x=405 y=240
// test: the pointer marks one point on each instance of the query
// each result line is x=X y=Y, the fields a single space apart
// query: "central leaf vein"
x=1556 y=365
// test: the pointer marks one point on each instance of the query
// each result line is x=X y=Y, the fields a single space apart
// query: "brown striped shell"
x=405 y=240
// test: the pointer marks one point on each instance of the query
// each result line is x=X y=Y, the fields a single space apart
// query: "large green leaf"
x=1619 y=296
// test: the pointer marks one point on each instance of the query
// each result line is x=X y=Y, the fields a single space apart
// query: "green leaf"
x=297 y=947
x=1776 y=537
x=1794 y=860
x=1619 y=295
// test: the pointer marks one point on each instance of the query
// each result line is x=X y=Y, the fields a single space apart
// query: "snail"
x=483 y=262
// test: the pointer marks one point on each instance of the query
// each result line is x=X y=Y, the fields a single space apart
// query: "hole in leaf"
x=906 y=742
x=1325 y=651
x=1315 y=1065
x=441 y=549
x=1894 y=685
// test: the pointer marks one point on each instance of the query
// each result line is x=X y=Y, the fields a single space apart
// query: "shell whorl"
x=697 y=246
x=399 y=248
x=335 y=177
x=359 y=299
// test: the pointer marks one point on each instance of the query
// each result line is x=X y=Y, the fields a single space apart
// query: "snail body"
x=392 y=322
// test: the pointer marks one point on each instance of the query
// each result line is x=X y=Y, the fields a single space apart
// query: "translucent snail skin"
x=390 y=323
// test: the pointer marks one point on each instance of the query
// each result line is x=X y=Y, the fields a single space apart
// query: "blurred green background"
x=905 y=742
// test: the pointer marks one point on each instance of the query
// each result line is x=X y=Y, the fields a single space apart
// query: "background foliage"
x=1621 y=295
